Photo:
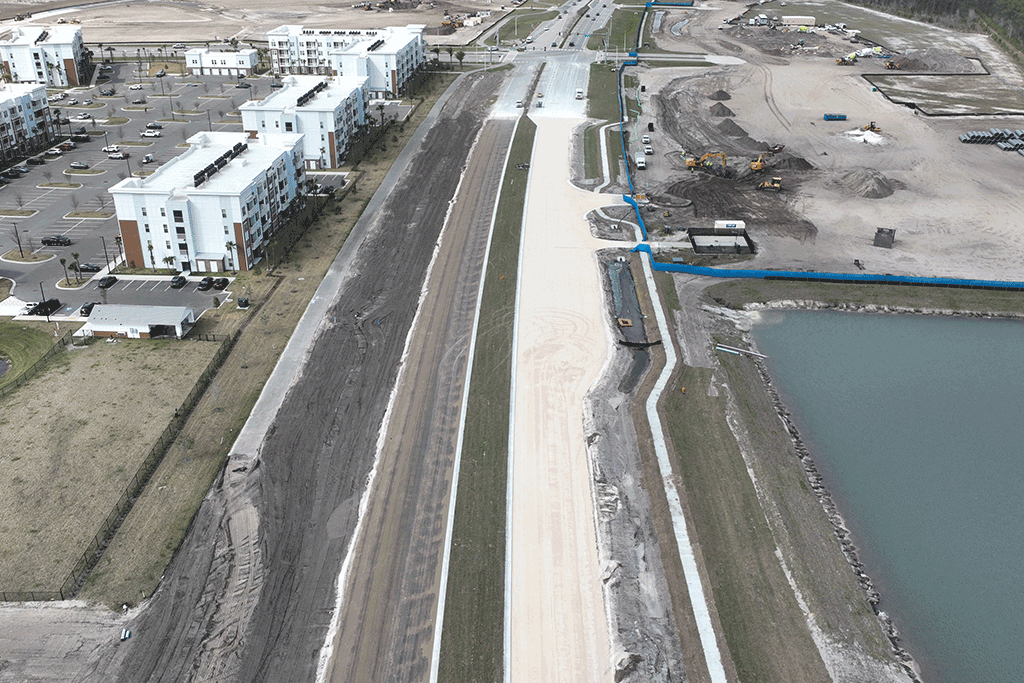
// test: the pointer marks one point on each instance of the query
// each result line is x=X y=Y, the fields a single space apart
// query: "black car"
x=153 y=125
x=81 y=130
x=205 y=284
x=86 y=309
x=178 y=281
x=56 y=241
x=160 y=74
x=45 y=307
x=81 y=138
x=11 y=173
x=276 y=85
x=242 y=84
x=141 y=100
x=106 y=282
x=88 y=268
x=107 y=93
x=220 y=283
x=36 y=161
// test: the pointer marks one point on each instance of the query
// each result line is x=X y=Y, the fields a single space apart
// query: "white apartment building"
x=327 y=111
x=202 y=61
x=26 y=125
x=388 y=57
x=215 y=207
x=53 y=55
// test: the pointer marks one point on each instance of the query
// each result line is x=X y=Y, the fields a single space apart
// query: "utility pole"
x=42 y=300
x=106 y=257
x=17 y=238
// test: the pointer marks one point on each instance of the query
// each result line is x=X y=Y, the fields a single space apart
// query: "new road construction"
x=652 y=514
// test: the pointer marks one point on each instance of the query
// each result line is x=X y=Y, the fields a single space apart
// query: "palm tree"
x=74 y=268
x=380 y=109
x=169 y=261
x=110 y=49
x=119 y=242
x=152 y=261
x=460 y=55
x=449 y=50
x=437 y=51
x=230 y=246
x=78 y=274
x=64 y=262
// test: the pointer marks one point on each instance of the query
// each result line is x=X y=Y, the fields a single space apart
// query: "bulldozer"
x=773 y=184
x=892 y=66
x=872 y=127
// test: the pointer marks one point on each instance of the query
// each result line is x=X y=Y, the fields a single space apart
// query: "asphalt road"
x=315 y=460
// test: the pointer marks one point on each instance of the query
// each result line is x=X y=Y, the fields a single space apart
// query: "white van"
x=641 y=161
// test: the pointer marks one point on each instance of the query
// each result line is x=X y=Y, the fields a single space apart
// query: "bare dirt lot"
x=73 y=439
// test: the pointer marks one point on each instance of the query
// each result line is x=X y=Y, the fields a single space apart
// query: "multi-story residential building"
x=215 y=207
x=387 y=56
x=326 y=111
x=26 y=125
x=202 y=61
x=53 y=55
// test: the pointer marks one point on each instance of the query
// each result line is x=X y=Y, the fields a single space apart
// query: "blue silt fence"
x=853 y=278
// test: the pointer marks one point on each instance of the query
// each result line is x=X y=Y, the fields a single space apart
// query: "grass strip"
x=519 y=26
x=21 y=345
x=621 y=32
x=472 y=641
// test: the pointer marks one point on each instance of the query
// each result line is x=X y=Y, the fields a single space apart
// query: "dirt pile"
x=936 y=59
x=721 y=110
x=868 y=183
x=719 y=95
x=792 y=163
x=731 y=128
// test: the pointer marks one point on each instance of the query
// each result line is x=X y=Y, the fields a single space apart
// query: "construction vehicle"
x=705 y=161
x=760 y=165
x=848 y=60
x=872 y=127
x=773 y=184
x=892 y=66
x=835 y=117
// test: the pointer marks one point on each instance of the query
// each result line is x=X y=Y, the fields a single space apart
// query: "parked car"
x=108 y=92
x=107 y=282
x=110 y=149
x=151 y=134
x=21 y=169
x=178 y=46
x=86 y=103
x=72 y=102
x=277 y=85
x=86 y=309
x=11 y=174
x=56 y=241
x=160 y=74
x=141 y=100
x=84 y=116
x=79 y=165
x=220 y=283
x=66 y=146
x=242 y=84
x=35 y=161
x=178 y=281
x=153 y=125
x=118 y=155
x=148 y=159
x=80 y=137
x=135 y=86
x=89 y=268
x=53 y=153
x=79 y=131
x=205 y=284
x=45 y=307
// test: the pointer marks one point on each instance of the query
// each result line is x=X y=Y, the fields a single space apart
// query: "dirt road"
x=386 y=627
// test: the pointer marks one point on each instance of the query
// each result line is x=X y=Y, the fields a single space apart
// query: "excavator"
x=872 y=127
x=708 y=164
x=760 y=165
x=773 y=184
x=892 y=66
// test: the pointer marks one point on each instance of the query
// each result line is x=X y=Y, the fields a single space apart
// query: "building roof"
x=338 y=90
x=178 y=175
x=29 y=34
x=12 y=90
x=104 y=315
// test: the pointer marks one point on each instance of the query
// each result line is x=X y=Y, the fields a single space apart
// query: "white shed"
x=139 y=322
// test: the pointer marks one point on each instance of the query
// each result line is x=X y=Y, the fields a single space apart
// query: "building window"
x=288 y=126
x=162 y=212
x=223 y=213
x=147 y=227
x=143 y=211
x=165 y=228
x=168 y=244
x=179 y=217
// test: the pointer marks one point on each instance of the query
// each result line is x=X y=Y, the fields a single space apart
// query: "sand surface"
x=558 y=624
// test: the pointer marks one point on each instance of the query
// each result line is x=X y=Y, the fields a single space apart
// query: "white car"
x=83 y=116
x=118 y=155
x=645 y=139
x=111 y=149
x=135 y=86
x=151 y=134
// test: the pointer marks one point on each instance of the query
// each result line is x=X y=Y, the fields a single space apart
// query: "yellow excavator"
x=692 y=163
x=773 y=184
x=892 y=66
x=872 y=127
x=760 y=165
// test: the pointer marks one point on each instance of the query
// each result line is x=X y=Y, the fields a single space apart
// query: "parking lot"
x=37 y=206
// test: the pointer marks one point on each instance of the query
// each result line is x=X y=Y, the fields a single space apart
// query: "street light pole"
x=17 y=238
x=209 y=120
x=42 y=300
x=105 y=256
x=129 y=165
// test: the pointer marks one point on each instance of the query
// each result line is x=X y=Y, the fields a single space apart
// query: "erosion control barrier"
x=639 y=219
x=854 y=278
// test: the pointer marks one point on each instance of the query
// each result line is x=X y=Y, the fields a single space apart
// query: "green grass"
x=736 y=293
x=472 y=641
x=602 y=97
x=21 y=345
x=515 y=30
x=621 y=32
x=592 y=151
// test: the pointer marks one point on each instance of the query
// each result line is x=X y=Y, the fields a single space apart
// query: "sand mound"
x=721 y=110
x=719 y=95
x=936 y=59
x=792 y=163
x=729 y=127
x=868 y=183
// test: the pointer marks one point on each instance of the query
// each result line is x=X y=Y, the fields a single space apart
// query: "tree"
x=74 y=269
x=19 y=200
x=460 y=55
x=449 y=50
x=380 y=110
x=169 y=261
x=64 y=263
x=151 y=260
x=47 y=174
x=437 y=52
x=78 y=273
x=111 y=51
x=120 y=244
x=230 y=246
x=74 y=202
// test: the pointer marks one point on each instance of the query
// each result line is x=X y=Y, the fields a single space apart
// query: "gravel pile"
x=730 y=128
x=719 y=95
x=721 y=110
x=939 y=60
x=868 y=183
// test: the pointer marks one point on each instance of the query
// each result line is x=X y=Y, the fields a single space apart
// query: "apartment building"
x=26 y=125
x=215 y=207
x=327 y=111
x=53 y=56
x=388 y=57
x=202 y=61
